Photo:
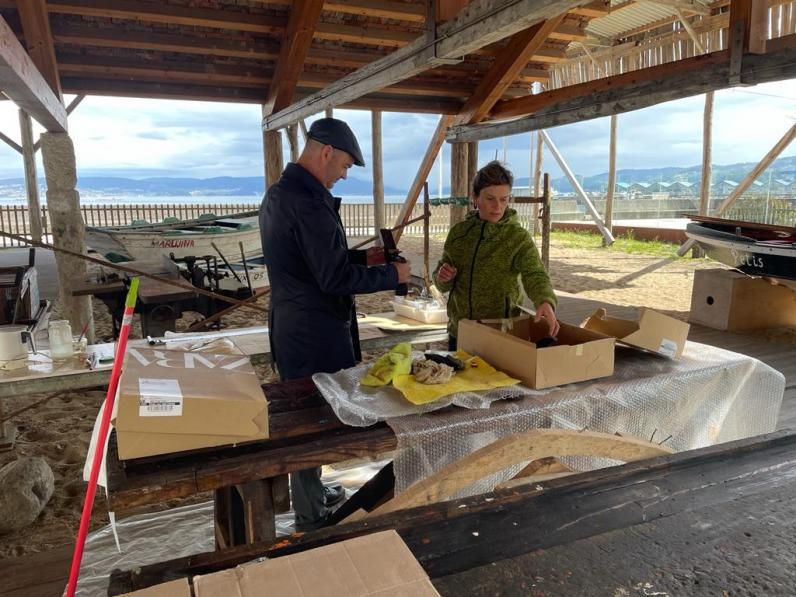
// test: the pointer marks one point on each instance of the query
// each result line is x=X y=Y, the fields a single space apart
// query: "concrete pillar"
x=66 y=224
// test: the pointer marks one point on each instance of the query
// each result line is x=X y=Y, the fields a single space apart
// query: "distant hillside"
x=783 y=168
x=180 y=187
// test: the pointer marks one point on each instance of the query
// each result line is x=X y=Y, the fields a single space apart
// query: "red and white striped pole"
x=99 y=451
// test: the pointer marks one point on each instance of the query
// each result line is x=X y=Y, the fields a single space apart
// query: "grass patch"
x=622 y=244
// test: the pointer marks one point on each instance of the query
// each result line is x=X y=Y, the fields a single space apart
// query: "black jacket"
x=311 y=278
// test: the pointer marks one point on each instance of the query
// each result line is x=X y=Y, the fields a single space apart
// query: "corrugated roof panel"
x=628 y=18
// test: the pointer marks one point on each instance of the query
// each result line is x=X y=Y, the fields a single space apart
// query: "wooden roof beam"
x=631 y=91
x=382 y=9
x=22 y=82
x=478 y=25
x=218 y=19
x=39 y=41
x=506 y=69
x=295 y=45
x=600 y=8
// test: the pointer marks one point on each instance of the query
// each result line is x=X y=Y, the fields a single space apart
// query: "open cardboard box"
x=172 y=401
x=653 y=331
x=379 y=564
x=578 y=355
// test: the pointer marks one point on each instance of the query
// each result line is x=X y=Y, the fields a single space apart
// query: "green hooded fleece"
x=491 y=259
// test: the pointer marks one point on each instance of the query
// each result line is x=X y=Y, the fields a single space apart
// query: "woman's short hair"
x=493 y=174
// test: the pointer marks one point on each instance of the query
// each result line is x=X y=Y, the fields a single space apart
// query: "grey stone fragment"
x=26 y=485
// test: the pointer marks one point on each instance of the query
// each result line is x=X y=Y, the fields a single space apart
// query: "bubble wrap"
x=709 y=396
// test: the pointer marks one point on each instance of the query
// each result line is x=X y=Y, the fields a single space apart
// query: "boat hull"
x=769 y=259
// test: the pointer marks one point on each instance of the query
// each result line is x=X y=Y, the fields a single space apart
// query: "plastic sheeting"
x=709 y=396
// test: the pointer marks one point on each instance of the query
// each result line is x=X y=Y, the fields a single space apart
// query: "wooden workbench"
x=694 y=521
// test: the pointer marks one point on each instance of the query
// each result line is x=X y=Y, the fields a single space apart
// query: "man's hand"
x=446 y=273
x=545 y=310
x=404 y=269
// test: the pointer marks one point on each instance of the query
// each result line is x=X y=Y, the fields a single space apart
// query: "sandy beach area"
x=59 y=429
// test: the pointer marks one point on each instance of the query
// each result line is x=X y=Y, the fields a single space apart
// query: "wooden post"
x=546 y=222
x=31 y=184
x=329 y=112
x=272 y=146
x=378 y=175
x=66 y=224
x=472 y=162
x=609 y=196
x=748 y=180
x=459 y=185
x=707 y=151
x=537 y=181
x=422 y=173
x=292 y=139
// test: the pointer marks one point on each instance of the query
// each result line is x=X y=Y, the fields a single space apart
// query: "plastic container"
x=425 y=311
x=60 y=333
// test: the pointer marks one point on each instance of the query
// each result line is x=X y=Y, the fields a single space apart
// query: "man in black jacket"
x=312 y=280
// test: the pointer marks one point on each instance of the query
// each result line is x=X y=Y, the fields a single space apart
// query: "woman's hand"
x=446 y=273
x=545 y=311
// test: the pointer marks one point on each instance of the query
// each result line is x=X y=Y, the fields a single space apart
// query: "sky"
x=136 y=138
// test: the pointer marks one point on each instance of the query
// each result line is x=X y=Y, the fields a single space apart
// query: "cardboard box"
x=653 y=331
x=171 y=401
x=378 y=564
x=174 y=588
x=579 y=354
x=729 y=300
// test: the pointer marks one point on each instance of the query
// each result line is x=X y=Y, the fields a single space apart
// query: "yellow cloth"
x=477 y=375
x=395 y=362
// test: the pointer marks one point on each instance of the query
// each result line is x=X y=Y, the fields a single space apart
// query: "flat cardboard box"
x=171 y=401
x=579 y=355
x=174 y=588
x=652 y=331
x=732 y=301
x=378 y=564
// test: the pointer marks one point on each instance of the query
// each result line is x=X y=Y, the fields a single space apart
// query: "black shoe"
x=333 y=494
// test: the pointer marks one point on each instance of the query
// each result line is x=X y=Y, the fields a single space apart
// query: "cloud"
x=141 y=138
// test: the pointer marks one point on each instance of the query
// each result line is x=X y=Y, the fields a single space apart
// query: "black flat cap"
x=336 y=133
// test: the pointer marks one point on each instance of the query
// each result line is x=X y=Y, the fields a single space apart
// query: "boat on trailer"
x=179 y=238
x=756 y=249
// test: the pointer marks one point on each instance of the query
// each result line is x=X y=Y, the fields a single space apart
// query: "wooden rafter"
x=225 y=20
x=39 y=41
x=506 y=69
x=22 y=82
x=631 y=91
x=295 y=45
x=478 y=26
x=382 y=9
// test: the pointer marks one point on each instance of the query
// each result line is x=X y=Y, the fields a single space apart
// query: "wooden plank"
x=462 y=534
x=36 y=575
x=478 y=26
x=504 y=72
x=181 y=478
x=39 y=41
x=22 y=83
x=296 y=43
x=629 y=91
x=383 y=9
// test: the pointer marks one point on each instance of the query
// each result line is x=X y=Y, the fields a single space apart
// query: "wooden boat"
x=179 y=238
x=754 y=249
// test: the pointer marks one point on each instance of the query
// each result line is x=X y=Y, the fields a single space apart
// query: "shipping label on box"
x=578 y=354
x=652 y=331
x=171 y=401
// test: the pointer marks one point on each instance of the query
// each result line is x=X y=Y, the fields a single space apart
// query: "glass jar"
x=60 y=339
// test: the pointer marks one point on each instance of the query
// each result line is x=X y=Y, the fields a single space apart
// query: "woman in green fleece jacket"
x=486 y=257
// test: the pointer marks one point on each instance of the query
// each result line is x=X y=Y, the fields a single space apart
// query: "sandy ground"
x=60 y=428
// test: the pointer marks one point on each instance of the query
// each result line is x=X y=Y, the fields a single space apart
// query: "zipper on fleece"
x=472 y=270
